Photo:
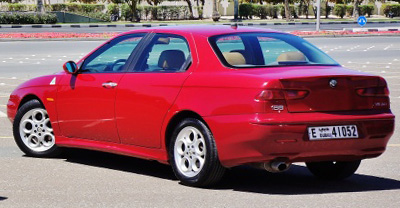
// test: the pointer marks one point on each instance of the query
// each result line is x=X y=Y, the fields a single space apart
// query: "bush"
x=78 y=8
x=394 y=9
x=261 y=11
x=349 y=10
x=339 y=10
x=366 y=9
x=17 y=7
x=27 y=18
x=246 y=10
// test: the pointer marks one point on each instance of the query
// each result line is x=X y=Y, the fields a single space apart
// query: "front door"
x=86 y=101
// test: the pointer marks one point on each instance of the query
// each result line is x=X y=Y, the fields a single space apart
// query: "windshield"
x=246 y=50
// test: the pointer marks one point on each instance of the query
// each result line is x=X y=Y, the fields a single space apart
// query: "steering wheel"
x=117 y=62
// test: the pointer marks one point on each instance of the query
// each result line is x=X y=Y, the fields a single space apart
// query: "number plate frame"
x=333 y=132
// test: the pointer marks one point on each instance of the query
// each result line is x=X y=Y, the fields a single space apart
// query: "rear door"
x=147 y=92
x=86 y=101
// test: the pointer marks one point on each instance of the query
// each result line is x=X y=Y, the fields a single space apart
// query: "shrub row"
x=27 y=18
x=18 y=7
x=248 y=10
x=393 y=9
x=78 y=8
x=150 y=12
x=342 y=10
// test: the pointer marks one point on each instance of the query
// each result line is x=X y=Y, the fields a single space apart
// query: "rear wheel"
x=33 y=132
x=193 y=154
x=332 y=170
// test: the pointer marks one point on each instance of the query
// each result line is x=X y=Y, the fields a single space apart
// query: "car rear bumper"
x=243 y=139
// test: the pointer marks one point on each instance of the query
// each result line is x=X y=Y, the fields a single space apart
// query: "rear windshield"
x=254 y=50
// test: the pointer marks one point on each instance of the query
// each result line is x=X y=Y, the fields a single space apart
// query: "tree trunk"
x=40 y=7
x=215 y=14
x=189 y=2
x=133 y=7
x=326 y=9
x=355 y=10
x=287 y=11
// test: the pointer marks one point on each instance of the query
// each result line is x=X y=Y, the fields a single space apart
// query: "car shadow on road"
x=2 y=198
x=118 y=162
x=299 y=181
x=296 y=181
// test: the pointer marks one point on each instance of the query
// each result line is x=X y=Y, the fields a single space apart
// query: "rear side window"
x=165 y=53
x=267 y=49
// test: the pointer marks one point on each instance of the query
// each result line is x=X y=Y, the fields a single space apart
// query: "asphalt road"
x=286 y=28
x=83 y=178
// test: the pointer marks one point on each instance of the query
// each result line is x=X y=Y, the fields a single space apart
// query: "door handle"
x=109 y=85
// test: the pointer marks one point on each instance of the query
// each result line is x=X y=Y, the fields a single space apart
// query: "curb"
x=372 y=29
x=167 y=24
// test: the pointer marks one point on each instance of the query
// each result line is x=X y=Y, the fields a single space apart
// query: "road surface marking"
x=2 y=115
x=393 y=145
x=3 y=137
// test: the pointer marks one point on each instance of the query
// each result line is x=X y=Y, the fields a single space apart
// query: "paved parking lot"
x=83 y=178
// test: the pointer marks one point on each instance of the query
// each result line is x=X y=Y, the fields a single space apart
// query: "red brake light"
x=295 y=94
x=266 y=95
x=373 y=91
x=282 y=94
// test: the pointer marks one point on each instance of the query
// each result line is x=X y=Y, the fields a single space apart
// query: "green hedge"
x=78 y=8
x=248 y=10
x=27 y=18
x=339 y=10
x=366 y=9
x=394 y=8
x=155 y=12
x=16 y=7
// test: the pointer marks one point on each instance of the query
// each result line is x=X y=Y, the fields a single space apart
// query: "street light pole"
x=318 y=14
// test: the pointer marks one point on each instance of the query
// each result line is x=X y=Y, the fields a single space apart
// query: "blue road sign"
x=362 y=20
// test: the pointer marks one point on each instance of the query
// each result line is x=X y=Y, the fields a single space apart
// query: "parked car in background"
x=207 y=98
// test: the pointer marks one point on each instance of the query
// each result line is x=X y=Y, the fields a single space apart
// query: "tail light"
x=295 y=94
x=268 y=95
x=373 y=91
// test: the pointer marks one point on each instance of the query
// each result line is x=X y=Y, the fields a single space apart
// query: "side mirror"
x=70 y=67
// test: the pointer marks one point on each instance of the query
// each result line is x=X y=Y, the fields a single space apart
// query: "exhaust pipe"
x=276 y=166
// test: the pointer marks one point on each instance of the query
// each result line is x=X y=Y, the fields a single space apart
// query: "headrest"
x=171 y=59
x=291 y=56
x=234 y=58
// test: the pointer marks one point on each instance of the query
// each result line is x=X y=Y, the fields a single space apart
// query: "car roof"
x=205 y=30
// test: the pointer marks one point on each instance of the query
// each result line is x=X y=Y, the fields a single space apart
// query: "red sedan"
x=206 y=98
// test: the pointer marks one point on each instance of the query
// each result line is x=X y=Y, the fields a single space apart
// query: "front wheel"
x=33 y=132
x=193 y=154
x=332 y=170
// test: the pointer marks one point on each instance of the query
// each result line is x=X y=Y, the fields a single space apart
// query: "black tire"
x=24 y=109
x=212 y=171
x=330 y=170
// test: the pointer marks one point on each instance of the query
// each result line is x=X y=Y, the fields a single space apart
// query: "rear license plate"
x=332 y=132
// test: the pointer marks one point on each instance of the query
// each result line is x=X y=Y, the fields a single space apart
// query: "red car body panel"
x=133 y=118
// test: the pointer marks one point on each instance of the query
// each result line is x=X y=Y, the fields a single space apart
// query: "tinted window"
x=267 y=49
x=112 y=56
x=165 y=53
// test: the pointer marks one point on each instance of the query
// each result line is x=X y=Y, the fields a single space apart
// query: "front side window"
x=113 y=56
x=165 y=53
x=267 y=49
